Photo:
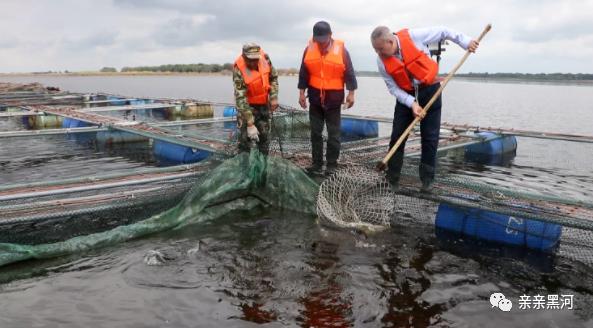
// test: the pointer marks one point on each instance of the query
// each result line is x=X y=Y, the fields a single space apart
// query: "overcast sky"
x=528 y=36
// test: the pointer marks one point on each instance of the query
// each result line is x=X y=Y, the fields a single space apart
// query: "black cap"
x=321 y=31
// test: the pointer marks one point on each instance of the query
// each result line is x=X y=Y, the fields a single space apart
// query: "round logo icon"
x=501 y=302
x=495 y=298
x=505 y=305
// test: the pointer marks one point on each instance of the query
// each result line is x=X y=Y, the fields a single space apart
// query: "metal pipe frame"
x=199 y=167
x=94 y=187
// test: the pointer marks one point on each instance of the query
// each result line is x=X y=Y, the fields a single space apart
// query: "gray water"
x=542 y=107
x=283 y=269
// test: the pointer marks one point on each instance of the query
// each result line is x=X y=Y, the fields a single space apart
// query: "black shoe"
x=314 y=169
x=393 y=182
x=427 y=186
x=331 y=169
x=393 y=185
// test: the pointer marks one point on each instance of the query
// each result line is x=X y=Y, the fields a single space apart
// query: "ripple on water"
x=284 y=269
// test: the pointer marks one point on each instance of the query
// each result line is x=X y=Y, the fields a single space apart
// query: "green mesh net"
x=242 y=182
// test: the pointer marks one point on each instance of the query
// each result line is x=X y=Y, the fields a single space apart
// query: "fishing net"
x=245 y=181
x=290 y=138
x=289 y=135
x=51 y=215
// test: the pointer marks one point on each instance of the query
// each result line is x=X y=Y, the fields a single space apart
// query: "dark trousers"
x=429 y=130
x=331 y=117
x=261 y=120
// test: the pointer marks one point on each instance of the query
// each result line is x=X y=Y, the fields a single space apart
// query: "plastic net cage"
x=55 y=213
x=290 y=138
x=528 y=200
x=69 y=198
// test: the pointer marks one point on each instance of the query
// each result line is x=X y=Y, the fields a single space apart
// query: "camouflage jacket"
x=243 y=107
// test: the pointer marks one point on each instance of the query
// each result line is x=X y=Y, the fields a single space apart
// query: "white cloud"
x=528 y=36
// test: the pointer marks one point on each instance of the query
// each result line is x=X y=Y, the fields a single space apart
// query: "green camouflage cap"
x=251 y=50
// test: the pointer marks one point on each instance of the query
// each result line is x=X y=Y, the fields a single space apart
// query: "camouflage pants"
x=261 y=118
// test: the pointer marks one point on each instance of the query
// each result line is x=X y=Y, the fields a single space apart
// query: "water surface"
x=275 y=268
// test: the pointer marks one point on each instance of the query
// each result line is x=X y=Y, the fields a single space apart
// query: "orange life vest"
x=326 y=72
x=416 y=64
x=257 y=82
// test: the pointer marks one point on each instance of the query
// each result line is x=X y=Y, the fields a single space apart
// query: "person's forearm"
x=274 y=86
x=403 y=97
x=349 y=75
x=303 y=74
x=274 y=91
x=399 y=94
x=440 y=33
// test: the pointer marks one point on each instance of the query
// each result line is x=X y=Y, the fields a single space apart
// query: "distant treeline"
x=181 y=68
x=516 y=76
x=189 y=68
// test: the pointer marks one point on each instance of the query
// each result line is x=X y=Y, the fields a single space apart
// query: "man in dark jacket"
x=325 y=68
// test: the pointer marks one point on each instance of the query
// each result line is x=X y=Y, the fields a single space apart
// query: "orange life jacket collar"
x=326 y=70
x=257 y=82
x=416 y=64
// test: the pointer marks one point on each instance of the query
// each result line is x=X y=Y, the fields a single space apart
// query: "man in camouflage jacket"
x=253 y=120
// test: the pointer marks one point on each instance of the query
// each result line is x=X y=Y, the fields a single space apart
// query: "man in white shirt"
x=411 y=76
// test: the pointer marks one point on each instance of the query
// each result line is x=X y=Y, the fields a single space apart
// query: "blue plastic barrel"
x=118 y=137
x=494 y=150
x=116 y=101
x=81 y=138
x=160 y=113
x=356 y=129
x=178 y=154
x=137 y=102
x=74 y=123
x=87 y=138
x=230 y=111
x=493 y=144
x=26 y=123
x=495 y=227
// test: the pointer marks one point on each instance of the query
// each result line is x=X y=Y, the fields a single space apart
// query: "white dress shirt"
x=421 y=37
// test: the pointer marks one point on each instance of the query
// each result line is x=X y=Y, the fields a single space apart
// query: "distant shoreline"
x=118 y=74
x=523 y=80
x=520 y=78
